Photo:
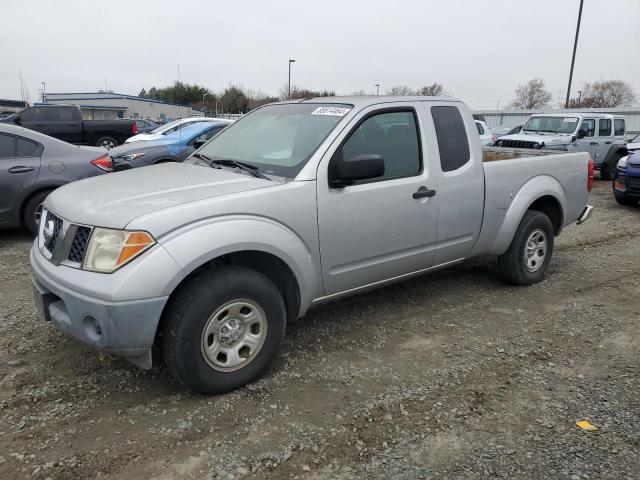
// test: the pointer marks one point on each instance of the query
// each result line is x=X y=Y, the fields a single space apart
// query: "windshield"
x=278 y=139
x=634 y=139
x=551 y=124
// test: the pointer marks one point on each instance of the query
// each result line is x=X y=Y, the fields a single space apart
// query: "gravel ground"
x=452 y=375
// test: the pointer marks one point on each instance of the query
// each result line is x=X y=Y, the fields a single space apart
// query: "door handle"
x=593 y=143
x=424 y=192
x=39 y=124
x=21 y=169
x=73 y=124
x=608 y=143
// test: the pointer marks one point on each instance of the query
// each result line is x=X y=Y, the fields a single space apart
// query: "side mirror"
x=360 y=167
x=199 y=143
x=582 y=133
x=17 y=120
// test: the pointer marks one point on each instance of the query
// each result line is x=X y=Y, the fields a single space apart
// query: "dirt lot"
x=453 y=375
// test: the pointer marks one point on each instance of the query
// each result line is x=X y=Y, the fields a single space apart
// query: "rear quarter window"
x=453 y=143
x=619 y=127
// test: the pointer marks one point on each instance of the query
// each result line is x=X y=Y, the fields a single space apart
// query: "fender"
x=535 y=188
x=196 y=244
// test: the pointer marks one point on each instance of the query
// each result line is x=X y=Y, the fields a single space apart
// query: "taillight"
x=134 y=128
x=103 y=163
x=590 y=170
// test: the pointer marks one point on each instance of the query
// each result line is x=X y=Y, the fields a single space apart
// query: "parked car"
x=486 y=137
x=600 y=135
x=626 y=183
x=295 y=204
x=633 y=143
x=65 y=123
x=167 y=129
x=501 y=131
x=174 y=147
x=145 y=125
x=32 y=165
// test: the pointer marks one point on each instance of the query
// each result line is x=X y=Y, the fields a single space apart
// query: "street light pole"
x=377 y=89
x=579 y=97
x=44 y=95
x=573 y=57
x=290 y=62
x=204 y=109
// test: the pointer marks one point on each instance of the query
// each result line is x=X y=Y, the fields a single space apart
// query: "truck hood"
x=547 y=138
x=115 y=199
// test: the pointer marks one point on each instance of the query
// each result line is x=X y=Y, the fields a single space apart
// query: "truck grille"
x=52 y=242
x=79 y=244
x=633 y=184
x=516 y=143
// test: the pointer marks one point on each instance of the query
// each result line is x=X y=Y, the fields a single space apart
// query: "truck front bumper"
x=124 y=328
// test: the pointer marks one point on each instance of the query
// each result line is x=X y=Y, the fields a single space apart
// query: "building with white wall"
x=103 y=105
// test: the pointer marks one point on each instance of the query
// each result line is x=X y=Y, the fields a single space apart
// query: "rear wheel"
x=223 y=329
x=528 y=256
x=107 y=142
x=608 y=171
x=32 y=211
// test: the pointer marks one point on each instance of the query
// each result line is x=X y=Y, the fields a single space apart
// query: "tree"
x=298 y=93
x=607 y=94
x=234 y=100
x=358 y=93
x=433 y=90
x=400 y=90
x=257 y=98
x=532 y=94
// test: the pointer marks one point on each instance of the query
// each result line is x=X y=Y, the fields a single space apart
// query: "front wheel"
x=608 y=171
x=528 y=256
x=223 y=329
x=622 y=200
x=32 y=211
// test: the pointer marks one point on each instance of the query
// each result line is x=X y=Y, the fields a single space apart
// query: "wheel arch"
x=39 y=189
x=544 y=194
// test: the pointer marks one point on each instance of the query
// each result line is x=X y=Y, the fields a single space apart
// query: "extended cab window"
x=453 y=143
x=480 y=129
x=393 y=136
x=61 y=114
x=618 y=125
x=604 y=127
x=589 y=126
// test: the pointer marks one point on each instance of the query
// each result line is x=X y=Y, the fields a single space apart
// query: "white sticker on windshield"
x=332 y=111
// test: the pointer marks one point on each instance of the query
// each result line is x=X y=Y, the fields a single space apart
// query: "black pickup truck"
x=65 y=122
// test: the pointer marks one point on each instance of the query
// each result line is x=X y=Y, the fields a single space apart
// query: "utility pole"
x=377 y=89
x=44 y=95
x=573 y=57
x=204 y=108
x=579 y=98
x=290 y=62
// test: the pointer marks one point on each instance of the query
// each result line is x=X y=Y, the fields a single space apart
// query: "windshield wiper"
x=209 y=160
x=247 y=167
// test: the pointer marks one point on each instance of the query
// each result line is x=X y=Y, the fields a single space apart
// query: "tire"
x=194 y=329
x=622 y=200
x=107 y=142
x=608 y=171
x=516 y=265
x=31 y=211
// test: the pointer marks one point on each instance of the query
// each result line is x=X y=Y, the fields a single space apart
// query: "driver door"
x=378 y=229
x=589 y=142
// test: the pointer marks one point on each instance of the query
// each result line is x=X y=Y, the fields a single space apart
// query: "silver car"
x=32 y=165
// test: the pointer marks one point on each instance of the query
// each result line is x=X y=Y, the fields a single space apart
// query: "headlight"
x=132 y=156
x=622 y=163
x=110 y=249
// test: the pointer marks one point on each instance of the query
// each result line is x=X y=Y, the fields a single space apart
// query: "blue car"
x=174 y=147
x=626 y=182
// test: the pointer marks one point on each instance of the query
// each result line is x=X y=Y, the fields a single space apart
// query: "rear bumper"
x=125 y=328
x=586 y=213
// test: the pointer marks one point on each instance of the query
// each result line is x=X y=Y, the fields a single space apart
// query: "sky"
x=479 y=50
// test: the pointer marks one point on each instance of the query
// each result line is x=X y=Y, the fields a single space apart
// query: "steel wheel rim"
x=535 y=251
x=234 y=335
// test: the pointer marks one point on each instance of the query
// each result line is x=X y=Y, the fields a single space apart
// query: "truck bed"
x=491 y=154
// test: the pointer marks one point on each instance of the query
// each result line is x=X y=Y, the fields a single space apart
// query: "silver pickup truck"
x=296 y=204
